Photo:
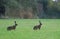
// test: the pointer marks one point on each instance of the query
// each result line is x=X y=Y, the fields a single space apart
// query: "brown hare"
x=12 y=27
x=37 y=26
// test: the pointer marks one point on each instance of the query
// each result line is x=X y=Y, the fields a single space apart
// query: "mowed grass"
x=50 y=29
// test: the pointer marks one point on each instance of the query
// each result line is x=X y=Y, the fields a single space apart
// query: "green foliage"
x=53 y=8
x=49 y=7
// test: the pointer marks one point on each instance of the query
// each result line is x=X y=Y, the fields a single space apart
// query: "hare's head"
x=16 y=24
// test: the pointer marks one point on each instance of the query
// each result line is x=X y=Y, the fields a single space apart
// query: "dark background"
x=30 y=9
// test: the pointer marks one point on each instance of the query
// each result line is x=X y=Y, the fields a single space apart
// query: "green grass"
x=49 y=30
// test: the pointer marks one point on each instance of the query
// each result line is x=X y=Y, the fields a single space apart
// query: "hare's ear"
x=15 y=22
x=39 y=22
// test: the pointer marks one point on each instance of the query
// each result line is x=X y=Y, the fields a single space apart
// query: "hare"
x=37 y=26
x=12 y=27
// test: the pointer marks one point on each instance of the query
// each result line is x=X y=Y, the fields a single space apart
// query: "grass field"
x=49 y=30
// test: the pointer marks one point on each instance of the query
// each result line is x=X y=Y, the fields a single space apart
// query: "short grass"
x=49 y=30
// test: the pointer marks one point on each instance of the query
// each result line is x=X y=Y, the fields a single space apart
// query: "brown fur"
x=37 y=26
x=12 y=27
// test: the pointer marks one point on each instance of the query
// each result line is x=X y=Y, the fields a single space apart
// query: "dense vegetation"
x=31 y=8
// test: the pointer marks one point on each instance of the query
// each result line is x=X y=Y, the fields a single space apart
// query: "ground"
x=50 y=29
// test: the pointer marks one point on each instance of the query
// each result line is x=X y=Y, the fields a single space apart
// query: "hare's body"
x=37 y=26
x=12 y=27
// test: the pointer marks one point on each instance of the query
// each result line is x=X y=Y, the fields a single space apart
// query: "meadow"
x=50 y=29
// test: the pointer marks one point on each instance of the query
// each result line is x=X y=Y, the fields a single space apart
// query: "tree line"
x=31 y=8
